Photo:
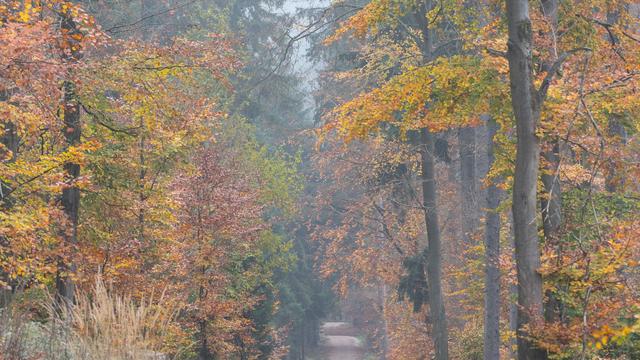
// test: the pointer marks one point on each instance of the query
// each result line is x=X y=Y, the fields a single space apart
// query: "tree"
x=492 y=261
x=71 y=50
x=37 y=64
x=526 y=109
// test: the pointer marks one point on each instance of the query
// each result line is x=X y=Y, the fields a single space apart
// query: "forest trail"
x=340 y=342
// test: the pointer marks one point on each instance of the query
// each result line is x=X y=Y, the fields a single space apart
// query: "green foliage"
x=413 y=285
x=628 y=348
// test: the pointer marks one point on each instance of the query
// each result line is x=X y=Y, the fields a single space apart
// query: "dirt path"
x=339 y=342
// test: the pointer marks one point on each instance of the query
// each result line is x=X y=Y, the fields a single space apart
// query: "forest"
x=319 y=179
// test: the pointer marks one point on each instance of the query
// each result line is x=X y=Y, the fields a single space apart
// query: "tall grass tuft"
x=103 y=325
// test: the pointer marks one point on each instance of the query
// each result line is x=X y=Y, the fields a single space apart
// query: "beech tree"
x=526 y=108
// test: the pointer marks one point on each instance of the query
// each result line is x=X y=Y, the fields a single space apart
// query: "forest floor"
x=340 y=342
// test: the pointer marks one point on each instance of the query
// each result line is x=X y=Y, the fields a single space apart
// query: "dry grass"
x=13 y=333
x=102 y=325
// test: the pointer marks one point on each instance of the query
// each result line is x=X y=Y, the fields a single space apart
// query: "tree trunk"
x=513 y=298
x=616 y=130
x=468 y=183
x=440 y=332
x=434 y=266
x=203 y=349
x=381 y=296
x=203 y=352
x=619 y=136
x=9 y=150
x=70 y=198
x=70 y=194
x=551 y=208
x=492 y=255
x=551 y=200
x=526 y=109
x=8 y=153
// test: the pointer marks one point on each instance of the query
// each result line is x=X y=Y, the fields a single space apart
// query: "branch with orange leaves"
x=544 y=87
